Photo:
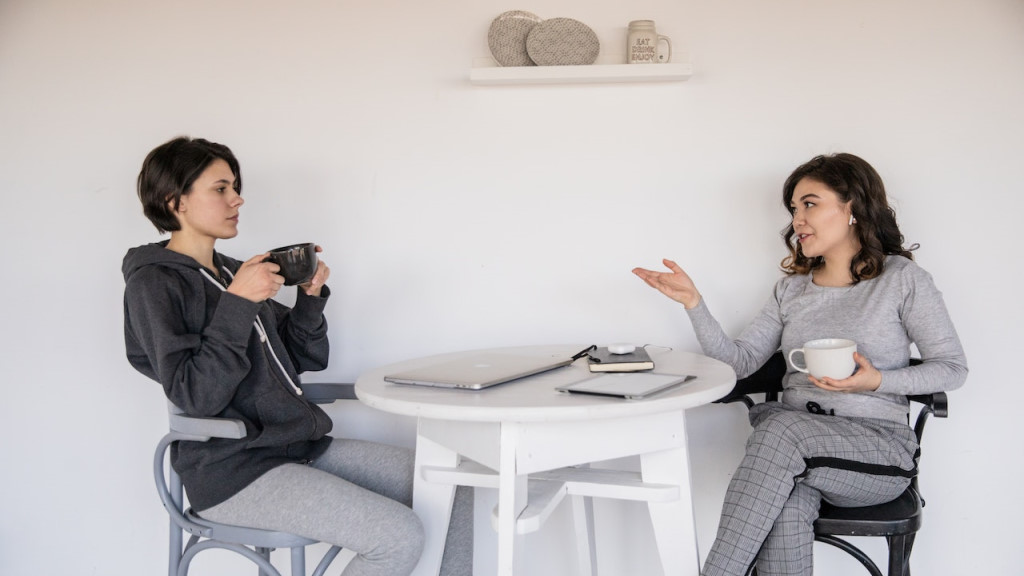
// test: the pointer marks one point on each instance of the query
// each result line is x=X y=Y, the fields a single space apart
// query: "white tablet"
x=631 y=385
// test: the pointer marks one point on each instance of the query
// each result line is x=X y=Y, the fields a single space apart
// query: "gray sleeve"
x=929 y=326
x=303 y=330
x=755 y=345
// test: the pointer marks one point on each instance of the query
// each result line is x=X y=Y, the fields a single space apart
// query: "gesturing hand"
x=257 y=280
x=867 y=378
x=677 y=285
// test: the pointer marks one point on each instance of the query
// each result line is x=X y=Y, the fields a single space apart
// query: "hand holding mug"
x=298 y=262
x=315 y=284
x=257 y=279
x=867 y=378
x=677 y=284
x=834 y=364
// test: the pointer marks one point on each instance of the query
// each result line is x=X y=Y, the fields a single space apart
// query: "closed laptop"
x=478 y=371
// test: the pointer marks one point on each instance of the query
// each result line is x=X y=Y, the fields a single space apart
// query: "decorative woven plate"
x=562 y=42
x=507 y=37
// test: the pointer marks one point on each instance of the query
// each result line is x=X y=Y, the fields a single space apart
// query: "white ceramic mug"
x=828 y=357
x=643 y=43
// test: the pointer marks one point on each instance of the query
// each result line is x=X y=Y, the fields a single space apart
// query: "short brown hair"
x=169 y=171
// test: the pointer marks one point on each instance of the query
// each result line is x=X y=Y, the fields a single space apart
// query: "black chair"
x=898 y=521
x=251 y=543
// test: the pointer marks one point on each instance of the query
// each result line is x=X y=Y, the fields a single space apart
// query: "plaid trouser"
x=794 y=459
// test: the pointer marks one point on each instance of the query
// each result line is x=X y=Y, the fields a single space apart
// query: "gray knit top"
x=884 y=315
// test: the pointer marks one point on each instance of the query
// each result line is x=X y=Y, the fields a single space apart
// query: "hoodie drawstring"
x=260 y=329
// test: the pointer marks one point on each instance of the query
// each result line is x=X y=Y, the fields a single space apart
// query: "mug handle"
x=661 y=57
x=793 y=364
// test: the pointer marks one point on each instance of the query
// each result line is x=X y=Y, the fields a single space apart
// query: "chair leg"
x=299 y=561
x=907 y=547
x=174 y=549
x=265 y=554
x=176 y=534
x=899 y=554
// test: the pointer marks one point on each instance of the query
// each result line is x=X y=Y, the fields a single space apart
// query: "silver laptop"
x=630 y=385
x=478 y=371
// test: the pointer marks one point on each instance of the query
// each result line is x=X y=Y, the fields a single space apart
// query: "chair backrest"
x=168 y=483
x=170 y=490
x=198 y=429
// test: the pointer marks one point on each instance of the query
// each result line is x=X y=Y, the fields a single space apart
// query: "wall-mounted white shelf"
x=594 y=73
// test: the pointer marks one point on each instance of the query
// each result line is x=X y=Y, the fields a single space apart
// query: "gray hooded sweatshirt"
x=204 y=346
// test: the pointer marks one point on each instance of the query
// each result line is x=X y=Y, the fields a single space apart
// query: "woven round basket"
x=507 y=37
x=562 y=42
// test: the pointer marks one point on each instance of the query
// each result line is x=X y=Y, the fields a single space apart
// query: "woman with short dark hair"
x=206 y=328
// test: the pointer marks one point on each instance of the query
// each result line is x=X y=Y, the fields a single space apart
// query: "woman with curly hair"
x=846 y=441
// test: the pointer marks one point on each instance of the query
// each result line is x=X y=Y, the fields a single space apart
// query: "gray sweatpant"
x=794 y=459
x=357 y=495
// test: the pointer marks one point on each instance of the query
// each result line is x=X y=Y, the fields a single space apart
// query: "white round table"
x=533 y=444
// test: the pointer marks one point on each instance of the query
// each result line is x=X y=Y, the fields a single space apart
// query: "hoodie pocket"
x=283 y=419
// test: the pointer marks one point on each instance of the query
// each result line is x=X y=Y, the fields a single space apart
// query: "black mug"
x=298 y=262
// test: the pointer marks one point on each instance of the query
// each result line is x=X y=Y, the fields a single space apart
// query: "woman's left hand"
x=866 y=379
x=323 y=272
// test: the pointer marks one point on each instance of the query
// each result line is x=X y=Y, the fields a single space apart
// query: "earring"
x=852 y=220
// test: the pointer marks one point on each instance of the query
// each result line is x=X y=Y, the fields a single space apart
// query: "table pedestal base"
x=535 y=465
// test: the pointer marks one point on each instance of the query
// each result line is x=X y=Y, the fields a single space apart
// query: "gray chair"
x=251 y=543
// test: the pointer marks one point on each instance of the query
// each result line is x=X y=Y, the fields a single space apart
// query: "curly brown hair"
x=856 y=182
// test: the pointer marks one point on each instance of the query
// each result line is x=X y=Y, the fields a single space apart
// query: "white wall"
x=456 y=217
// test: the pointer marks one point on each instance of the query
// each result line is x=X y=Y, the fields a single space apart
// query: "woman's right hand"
x=257 y=280
x=676 y=284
